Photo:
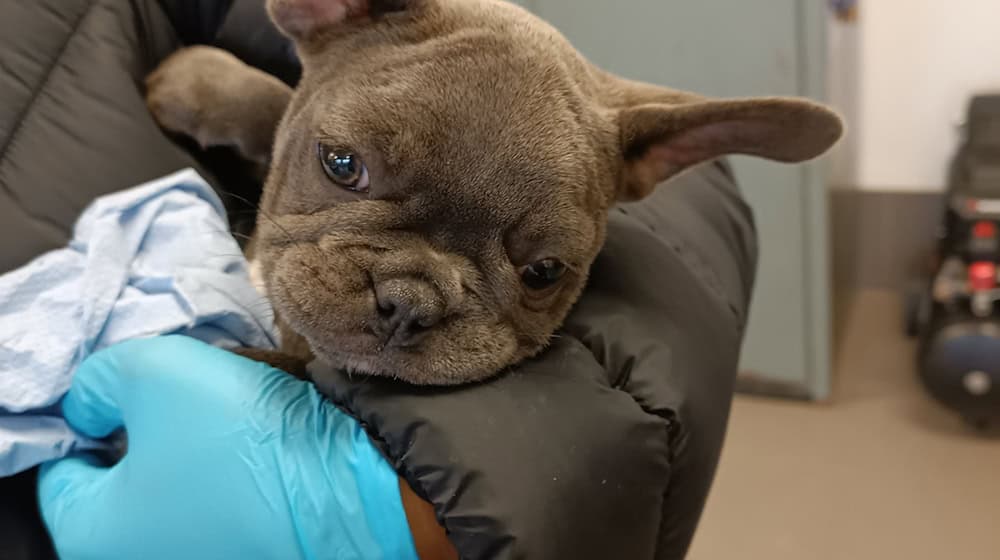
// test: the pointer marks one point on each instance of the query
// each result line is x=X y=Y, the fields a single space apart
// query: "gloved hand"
x=227 y=458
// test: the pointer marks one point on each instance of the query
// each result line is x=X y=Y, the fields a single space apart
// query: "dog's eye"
x=542 y=274
x=344 y=168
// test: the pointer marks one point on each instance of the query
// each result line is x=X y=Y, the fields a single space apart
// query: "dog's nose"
x=407 y=309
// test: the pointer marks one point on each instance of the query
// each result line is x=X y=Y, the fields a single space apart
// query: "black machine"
x=955 y=312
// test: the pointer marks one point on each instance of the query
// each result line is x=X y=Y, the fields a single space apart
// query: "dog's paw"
x=216 y=99
x=188 y=93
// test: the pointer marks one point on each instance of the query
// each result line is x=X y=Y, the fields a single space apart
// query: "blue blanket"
x=151 y=260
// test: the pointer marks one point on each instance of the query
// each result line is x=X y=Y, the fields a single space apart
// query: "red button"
x=984 y=230
x=982 y=276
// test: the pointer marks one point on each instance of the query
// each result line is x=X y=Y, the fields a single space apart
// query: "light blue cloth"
x=151 y=260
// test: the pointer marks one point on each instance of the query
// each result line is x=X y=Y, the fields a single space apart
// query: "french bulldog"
x=439 y=180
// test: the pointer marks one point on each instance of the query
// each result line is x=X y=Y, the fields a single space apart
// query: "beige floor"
x=877 y=473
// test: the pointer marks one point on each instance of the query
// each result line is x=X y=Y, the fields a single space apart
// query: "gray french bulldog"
x=439 y=181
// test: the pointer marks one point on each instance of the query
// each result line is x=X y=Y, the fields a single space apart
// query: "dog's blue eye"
x=543 y=274
x=344 y=168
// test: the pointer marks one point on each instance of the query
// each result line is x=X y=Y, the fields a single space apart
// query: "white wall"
x=903 y=76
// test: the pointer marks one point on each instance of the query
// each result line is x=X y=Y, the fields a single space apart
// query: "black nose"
x=407 y=309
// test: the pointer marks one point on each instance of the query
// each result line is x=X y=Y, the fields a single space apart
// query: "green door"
x=727 y=48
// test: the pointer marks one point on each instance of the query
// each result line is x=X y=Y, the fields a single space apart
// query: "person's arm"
x=429 y=536
x=227 y=458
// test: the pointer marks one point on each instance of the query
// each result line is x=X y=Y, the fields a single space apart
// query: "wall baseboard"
x=882 y=239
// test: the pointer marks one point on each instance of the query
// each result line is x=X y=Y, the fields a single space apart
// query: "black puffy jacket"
x=604 y=447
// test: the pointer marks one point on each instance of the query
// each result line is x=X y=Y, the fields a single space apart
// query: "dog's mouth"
x=352 y=364
x=431 y=363
x=340 y=329
x=366 y=364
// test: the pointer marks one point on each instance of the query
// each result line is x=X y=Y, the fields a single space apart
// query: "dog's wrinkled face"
x=440 y=183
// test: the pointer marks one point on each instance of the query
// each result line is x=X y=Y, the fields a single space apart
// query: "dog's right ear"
x=303 y=20
x=660 y=140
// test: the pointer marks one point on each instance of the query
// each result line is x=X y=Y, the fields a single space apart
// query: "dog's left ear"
x=660 y=140
x=304 y=19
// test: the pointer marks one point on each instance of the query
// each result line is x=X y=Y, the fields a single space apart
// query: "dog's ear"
x=303 y=19
x=661 y=139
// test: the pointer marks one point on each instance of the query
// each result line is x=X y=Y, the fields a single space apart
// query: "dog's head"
x=441 y=180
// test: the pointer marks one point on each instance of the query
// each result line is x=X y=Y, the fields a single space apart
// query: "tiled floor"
x=880 y=472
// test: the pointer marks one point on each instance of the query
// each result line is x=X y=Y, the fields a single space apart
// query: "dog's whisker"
x=220 y=231
x=239 y=235
x=261 y=307
x=239 y=198
x=227 y=255
x=281 y=228
x=291 y=240
x=260 y=302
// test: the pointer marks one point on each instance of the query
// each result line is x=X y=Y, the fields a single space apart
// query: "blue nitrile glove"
x=227 y=459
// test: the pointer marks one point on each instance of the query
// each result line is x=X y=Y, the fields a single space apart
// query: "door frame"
x=812 y=41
